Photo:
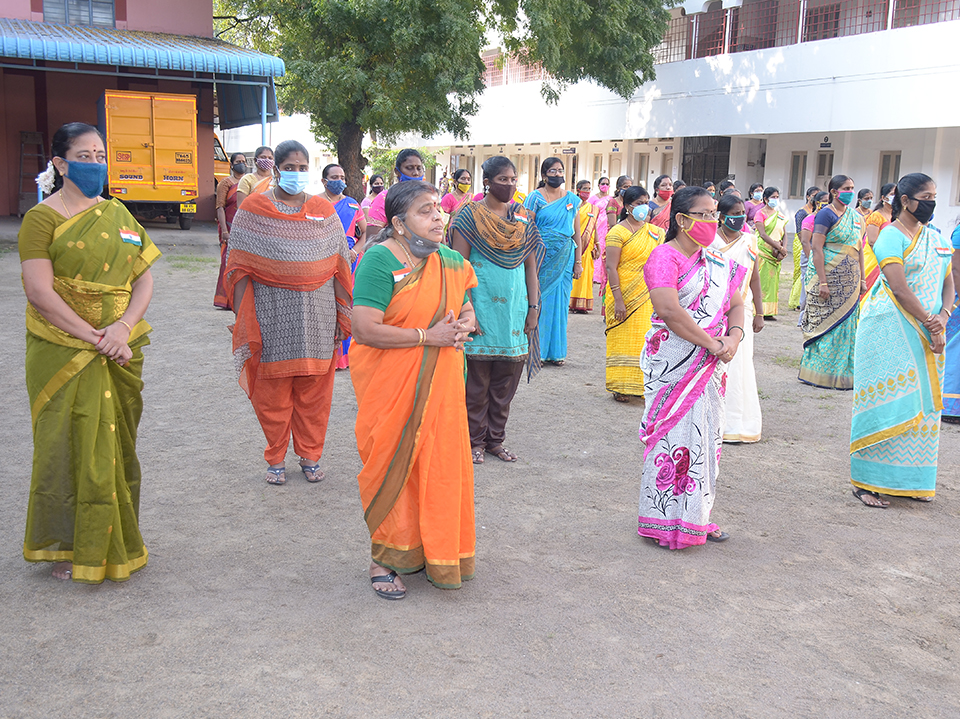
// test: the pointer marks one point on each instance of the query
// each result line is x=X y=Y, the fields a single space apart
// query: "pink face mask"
x=584 y=195
x=264 y=163
x=703 y=232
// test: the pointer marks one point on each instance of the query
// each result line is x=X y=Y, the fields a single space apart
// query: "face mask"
x=336 y=187
x=404 y=178
x=713 y=194
x=376 y=189
x=773 y=202
x=703 y=232
x=264 y=163
x=846 y=197
x=865 y=204
x=293 y=182
x=664 y=194
x=640 y=212
x=923 y=213
x=604 y=188
x=734 y=222
x=555 y=181
x=889 y=199
x=239 y=168
x=420 y=246
x=584 y=195
x=758 y=195
x=503 y=193
x=87 y=176
x=463 y=187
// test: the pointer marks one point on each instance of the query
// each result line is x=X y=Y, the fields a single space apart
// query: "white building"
x=783 y=92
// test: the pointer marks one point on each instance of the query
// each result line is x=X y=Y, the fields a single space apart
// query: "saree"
x=661 y=215
x=830 y=326
x=555 y=223
x=682 y=429
x=743 y=420
x=774 y=226
x=951 y=379
x=871 y=268
x=85 y=489
x=897 y=400
x=416 y=484
x=626 y=339
x=452 y=206
x=581 y=296
x=288 y=317
x=799 y=261
x=349 y=213
x=600 y=267
x=229 y=205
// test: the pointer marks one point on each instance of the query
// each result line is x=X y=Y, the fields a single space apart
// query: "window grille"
x=676 y=42
x=99 y=13
x=711 y=30
x=761 y=24
x=907 y=13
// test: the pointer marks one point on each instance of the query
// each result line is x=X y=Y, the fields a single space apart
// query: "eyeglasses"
x=708 y=216
x=554 y=173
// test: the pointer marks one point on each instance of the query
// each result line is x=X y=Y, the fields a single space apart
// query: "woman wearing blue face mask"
x=770 y=224
x=834 y=285
x=628 y=308
x=743 y=420
x=754 y=202
x=86 y=273
x=409 y=165
x=288 y=272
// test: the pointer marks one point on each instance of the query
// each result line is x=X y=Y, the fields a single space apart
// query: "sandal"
x=478 y=456
x=387 y=593
x=617 y=397
x=502 y=454
x=925 y=500
x=722 y=537
x=555 y=363
x=311 y=472
x=861 y=493
x=276 y=475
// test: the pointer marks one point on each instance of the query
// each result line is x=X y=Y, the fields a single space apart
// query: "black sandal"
x=387 y=593
x=859 y=494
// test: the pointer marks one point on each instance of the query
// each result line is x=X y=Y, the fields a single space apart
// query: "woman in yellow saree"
x=87 y=279
x=581 y=298
x=770 y=226
x=873 y=222
x=628 y=308
x=411 y=317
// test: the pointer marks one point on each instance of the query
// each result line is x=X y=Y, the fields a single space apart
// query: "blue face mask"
x=640 y=212
x=89 y=177
x=336 y=187
x=773 y=202
x=758 y=195
x=293 y=182
x=404 y=178
x=846 y=197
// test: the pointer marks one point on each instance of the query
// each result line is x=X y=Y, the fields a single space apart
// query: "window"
x=824 y=168
x=821 y=22
x=79 y=12
x=798 y=174
x=889 y=167
x=641 y=168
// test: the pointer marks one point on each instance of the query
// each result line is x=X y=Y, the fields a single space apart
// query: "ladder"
x=33 y=160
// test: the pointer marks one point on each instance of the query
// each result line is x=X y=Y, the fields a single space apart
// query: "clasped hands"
x=937 y=329
x=726 y=348
x=112 y=343
x=451 y=332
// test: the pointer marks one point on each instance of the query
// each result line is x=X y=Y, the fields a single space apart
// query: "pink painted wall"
x=179 y=17
x=16 y=9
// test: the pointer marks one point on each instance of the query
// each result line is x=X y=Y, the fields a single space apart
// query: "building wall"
x=17 y=10
x=179 y=17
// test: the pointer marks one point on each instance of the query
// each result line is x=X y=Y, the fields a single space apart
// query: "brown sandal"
x=478 y=456
x=502 y=454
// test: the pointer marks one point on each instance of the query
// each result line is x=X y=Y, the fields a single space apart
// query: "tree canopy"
x=396 y=66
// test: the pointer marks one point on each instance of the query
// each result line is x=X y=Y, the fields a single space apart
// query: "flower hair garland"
x=46 y=179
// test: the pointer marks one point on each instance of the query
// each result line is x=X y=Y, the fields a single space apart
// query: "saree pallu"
x=581 y=296
x=220 y=298
x=349 y=213
x=289 y=315
x=830 y=326
x=682 y=430
x=85 y=489
x=661 y=216
x=769 y=265
x=796 y=288
x=951 y=356
x=555 y=222
x=416 y=484
x=452 y=215
x=626 y=340
x=600 y=267
x=895 y=430
x=871 y=269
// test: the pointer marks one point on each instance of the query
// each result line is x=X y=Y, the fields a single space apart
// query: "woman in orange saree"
x=226 y=209
x=411 y=317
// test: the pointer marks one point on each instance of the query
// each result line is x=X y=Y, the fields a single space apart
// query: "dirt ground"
x=255 y=602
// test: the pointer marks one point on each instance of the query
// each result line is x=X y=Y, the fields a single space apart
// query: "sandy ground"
x=255 y=602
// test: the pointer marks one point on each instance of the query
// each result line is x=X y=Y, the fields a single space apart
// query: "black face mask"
x=503 y=193
x=239 y=168
x=924 y=210
x=735 y=222
x=554 y=181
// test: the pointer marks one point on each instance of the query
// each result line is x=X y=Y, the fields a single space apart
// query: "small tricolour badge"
x=130 y=237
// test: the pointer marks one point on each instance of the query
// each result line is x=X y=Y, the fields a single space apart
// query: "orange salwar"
x=416 y=484
x=297 y=405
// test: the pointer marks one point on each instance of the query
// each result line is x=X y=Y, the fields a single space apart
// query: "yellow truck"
x=152 y=153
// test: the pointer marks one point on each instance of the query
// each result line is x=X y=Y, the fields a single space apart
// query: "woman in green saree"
x=769 y=224
x=86 y=275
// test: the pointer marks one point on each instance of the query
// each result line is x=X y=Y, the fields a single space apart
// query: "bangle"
x=129 y=328
x=534 y=307
x=743 y=335
x=422 y=337
x=824 y=284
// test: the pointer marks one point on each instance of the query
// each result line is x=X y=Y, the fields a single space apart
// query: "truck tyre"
x=171 y=219
x=186 y=221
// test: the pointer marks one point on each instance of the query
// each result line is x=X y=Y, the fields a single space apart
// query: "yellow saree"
x=85 y=490
x=581 y=297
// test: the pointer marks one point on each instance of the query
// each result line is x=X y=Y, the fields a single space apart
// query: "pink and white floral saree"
x=684 y=387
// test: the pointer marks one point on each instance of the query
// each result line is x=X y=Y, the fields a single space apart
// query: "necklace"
x=277 y=199
x=64 y=203
x=403 y=247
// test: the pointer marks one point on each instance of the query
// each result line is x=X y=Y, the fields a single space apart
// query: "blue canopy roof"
x=130 y=48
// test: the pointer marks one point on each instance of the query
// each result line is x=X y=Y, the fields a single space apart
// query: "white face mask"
x=889 y=199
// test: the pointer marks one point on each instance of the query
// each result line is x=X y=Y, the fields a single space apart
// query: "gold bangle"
x=422 y=335
x=125 y=325
x=614 y=287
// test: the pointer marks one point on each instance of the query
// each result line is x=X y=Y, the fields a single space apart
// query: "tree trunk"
x=351 y=159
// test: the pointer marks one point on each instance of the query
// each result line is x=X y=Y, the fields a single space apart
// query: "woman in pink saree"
x=697 y=328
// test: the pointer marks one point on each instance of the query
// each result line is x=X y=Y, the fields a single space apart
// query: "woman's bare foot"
x=391 y=587
x=62 y=570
